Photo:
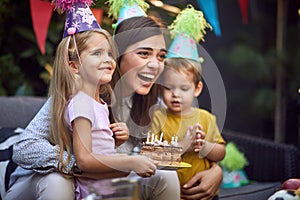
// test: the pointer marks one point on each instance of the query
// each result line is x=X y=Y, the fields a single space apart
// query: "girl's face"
x=179 y=91
x=97 y=60
x=142 y=63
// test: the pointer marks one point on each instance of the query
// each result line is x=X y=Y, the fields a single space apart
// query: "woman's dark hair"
x=128 y=32
x=135 y=29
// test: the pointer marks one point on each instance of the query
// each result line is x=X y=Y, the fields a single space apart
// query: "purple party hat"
x=125 y=9
x=79 y=17
x=187 y=30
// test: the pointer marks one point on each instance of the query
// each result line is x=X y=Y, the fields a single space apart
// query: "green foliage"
x=253 y=79
x=6 y=13
x=21 y=45
x=248 y=63
x=9 y=71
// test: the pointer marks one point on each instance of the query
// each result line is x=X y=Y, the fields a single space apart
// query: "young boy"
x=196 y=129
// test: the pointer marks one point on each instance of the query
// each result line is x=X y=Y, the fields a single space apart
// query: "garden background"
x=255 y=72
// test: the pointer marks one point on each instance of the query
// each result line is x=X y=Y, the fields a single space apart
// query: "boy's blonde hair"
x=185 y=65
x=65 y=83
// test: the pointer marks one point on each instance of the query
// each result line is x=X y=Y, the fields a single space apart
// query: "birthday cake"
x=167 y=154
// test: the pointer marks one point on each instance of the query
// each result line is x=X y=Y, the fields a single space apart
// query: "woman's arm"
x=34 y=151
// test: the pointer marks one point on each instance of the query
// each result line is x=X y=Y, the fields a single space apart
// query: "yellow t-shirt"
x=172 y=125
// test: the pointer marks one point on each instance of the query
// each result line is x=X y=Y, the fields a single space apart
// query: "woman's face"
x=142 y=63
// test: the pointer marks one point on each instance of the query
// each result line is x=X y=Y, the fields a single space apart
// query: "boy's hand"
x=121 y=132
x=199 y=141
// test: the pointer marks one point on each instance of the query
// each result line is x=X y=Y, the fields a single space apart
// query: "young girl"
x=83 y=74
x=80 y=78
x=82 y=70
x=195 y=129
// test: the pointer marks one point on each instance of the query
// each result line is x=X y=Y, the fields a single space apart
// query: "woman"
x=42 y=180
x=141 y=60
x=35 y=153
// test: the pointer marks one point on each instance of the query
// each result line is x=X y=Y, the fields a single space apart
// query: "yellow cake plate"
x=172 y=167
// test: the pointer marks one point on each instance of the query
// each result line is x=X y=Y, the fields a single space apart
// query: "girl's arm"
x=121 y=132
x=34 y=151
x=90 y=162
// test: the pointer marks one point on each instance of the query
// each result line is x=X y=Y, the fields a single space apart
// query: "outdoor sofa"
x=269 y=163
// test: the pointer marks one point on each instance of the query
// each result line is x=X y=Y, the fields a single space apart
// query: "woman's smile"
x=146 y=77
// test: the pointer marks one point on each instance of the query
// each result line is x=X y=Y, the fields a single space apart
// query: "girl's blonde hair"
x=65 y=83
x=185 y=65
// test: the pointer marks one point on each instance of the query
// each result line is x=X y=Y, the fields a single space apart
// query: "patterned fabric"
x=183 y=46
x=8 y=137
x=130 y=11
x=79 y=19
x=34 y=151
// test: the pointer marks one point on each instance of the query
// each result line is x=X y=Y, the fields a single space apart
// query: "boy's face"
x=179 y=91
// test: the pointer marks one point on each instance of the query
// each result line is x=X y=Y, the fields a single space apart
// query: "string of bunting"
x=41 y=13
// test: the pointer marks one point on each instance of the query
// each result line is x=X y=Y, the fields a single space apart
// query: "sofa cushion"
x=19 y=111
x=8 y=136
x=255 y=190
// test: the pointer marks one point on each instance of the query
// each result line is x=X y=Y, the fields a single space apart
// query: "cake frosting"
x=165 y=153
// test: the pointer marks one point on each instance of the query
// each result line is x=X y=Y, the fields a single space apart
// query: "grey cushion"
x=18 y=111
x=257 y=191
x=8 y=136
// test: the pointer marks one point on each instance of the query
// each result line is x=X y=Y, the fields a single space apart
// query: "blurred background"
x=255 y=45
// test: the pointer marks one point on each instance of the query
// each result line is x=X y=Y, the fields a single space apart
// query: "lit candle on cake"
x=161 y=137
x=156 y=138
x=148 y=138
x=176 y=141
x=152 y=137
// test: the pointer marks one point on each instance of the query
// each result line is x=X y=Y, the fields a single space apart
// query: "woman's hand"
x=203 y=185
x=121 y=132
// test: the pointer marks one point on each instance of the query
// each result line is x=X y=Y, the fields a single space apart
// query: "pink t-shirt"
x=82 y=105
